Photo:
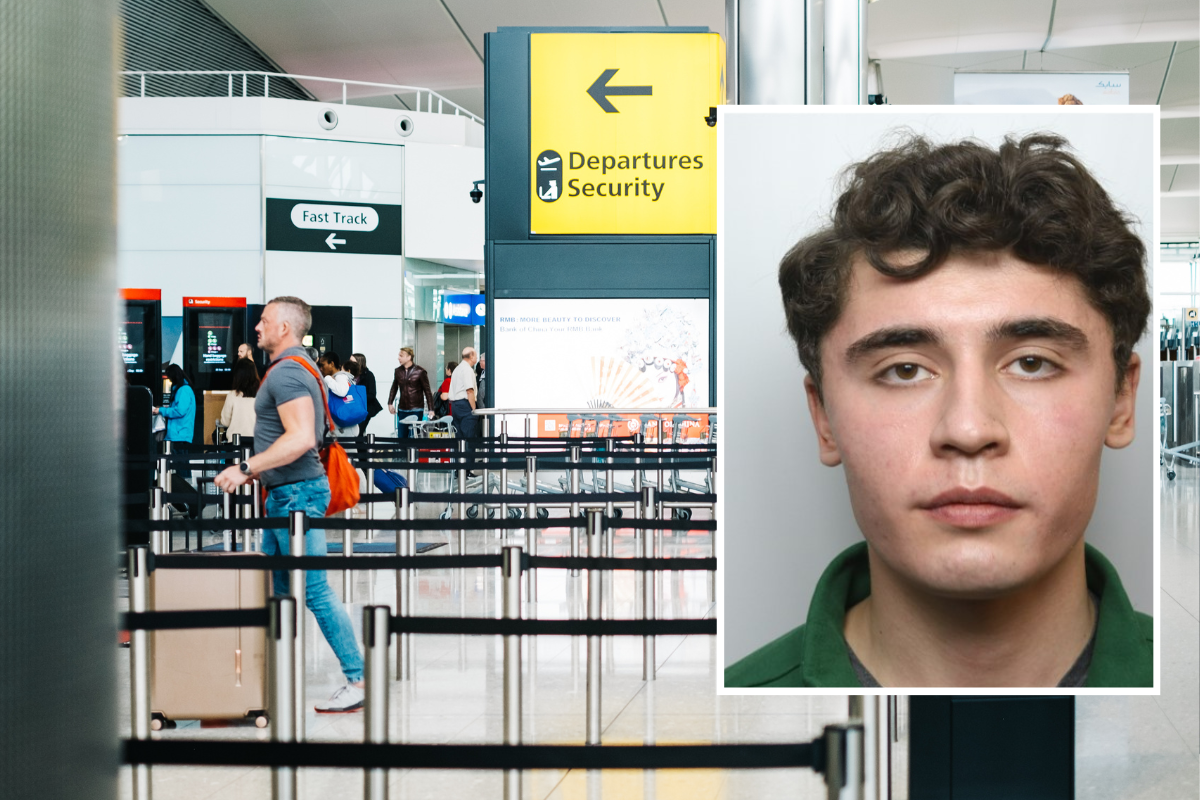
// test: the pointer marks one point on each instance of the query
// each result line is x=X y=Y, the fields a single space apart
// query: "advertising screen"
x=622 y=353
x=216 y=341
x=131 y=338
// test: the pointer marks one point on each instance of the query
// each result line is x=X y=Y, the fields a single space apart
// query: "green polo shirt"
x=815 y=654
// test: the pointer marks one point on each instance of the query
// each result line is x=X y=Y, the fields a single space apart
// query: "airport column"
x=57 y=307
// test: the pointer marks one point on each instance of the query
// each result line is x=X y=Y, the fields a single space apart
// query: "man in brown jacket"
x=411 y=383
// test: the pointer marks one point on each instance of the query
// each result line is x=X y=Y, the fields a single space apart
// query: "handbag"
x=388 y=481
x=351 y=409
x=343 y=478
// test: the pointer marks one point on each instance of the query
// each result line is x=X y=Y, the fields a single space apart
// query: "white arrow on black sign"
x=329 y=240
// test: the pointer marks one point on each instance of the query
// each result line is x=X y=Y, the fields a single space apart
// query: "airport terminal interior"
x=527 y=399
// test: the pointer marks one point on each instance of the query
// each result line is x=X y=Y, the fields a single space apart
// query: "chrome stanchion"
x=503 y=474
x=411 y=472
x=139 y=664
x=595 y=523
x=284 y=627
x=370 y=482
x=297 y=526
x=227 y=513
x=649 y=665
x=403 y=576
x=257 y=498
x=531 y=533
x=574 y=484
x=462 y=489
x=844 y=761
x=510 y=575
x=375 y=675
x=347 y=551
x=159 y=540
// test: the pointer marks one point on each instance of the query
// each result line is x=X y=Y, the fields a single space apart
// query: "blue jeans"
x=312 y=497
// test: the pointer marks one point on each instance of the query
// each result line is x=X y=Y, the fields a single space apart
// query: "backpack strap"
x=320 y=384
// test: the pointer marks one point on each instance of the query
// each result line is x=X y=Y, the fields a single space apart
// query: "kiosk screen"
x=131 y=338
x=216 y=341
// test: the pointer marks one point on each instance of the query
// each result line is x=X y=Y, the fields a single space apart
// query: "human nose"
x=972 y=420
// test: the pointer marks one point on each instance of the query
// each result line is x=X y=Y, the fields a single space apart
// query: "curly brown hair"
x=1030 y=197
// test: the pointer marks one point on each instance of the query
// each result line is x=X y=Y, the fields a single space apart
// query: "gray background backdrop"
x=785 y=515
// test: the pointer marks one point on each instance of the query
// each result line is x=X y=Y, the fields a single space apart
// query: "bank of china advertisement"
x=619 y=142
x=623 y=354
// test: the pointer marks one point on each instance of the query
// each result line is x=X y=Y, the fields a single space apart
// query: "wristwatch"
x=245 y=468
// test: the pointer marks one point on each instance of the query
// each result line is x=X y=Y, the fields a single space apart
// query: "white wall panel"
x=191 y=273
x=156 y=216
x=371 y=284
x=379 y=341
x=188 y=160
x=350 y=171
x=441 y=222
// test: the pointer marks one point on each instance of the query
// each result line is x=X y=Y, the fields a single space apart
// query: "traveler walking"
x=441 y=399
x=366 y=379
x=338 y=381
x=462 y=396
x=410 y=392
x=290 y=409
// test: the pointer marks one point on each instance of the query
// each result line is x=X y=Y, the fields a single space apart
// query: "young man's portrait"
x=940 y=463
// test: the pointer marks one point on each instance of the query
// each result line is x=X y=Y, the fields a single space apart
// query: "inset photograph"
x=938 y=402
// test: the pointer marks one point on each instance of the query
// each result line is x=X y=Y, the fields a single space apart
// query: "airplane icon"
x=545 y=162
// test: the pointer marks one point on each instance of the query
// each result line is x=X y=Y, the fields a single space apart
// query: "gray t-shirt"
x=286 y=381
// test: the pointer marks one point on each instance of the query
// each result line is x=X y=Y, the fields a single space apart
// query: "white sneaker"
x=346 y=699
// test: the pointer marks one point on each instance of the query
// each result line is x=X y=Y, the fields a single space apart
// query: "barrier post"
x=375 y=674
x=531 y=533
x=649 y=664
x=347 y=551
x=168 y=478
x=282 y=697
x=139 y=663
x=510 y=576
x=503 y=474
x=227 y=513
x=844 y=761
x=403 y=576
x=158 y=513
x=595 y=527
x=297 y=526
x=370 y=482
x=574 y=484
x=462 y=489
x=411 y=475
x=257 y=498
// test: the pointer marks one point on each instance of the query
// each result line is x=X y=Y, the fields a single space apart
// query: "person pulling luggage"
x=289 y=428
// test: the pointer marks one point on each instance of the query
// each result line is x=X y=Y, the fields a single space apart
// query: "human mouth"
x=971 y=508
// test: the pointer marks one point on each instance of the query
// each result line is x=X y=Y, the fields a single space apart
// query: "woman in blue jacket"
x=181 y=414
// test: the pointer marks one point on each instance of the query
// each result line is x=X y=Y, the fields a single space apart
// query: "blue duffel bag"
x=351 y=409
x=388 y=481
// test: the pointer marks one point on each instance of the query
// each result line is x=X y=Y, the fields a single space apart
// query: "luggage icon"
x=549 y=176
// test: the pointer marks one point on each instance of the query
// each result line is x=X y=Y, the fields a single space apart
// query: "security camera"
x=476 y=193
x=711 y=119
x=876 y=100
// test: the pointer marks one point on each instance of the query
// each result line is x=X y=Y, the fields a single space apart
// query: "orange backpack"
x=343 y=478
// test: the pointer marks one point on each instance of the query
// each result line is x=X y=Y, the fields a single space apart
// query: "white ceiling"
x=920 y=43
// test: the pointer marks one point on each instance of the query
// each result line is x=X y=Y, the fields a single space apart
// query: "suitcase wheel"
x=158 y=722
x=260 y=718
x=543 y=513
x=472 y=512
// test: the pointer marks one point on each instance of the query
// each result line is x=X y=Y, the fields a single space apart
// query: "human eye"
x=904 y=373
x=1032 y=366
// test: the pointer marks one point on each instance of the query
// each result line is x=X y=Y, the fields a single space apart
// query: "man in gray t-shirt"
x=291 y=423
x=288 y=381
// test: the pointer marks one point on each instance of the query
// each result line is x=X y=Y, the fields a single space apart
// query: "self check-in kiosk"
x=213 y=327
x=139 y=339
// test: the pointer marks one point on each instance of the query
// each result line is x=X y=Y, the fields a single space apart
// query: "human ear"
x=826 y=444
x=1120 y=427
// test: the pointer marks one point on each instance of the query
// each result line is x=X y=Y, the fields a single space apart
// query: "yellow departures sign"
x=618 y=139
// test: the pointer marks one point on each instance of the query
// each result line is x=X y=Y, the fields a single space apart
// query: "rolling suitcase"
x=208 y=673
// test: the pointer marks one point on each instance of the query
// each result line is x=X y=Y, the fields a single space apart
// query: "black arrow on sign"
x=601 y=91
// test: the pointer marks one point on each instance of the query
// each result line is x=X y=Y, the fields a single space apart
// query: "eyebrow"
x=1041 y=328
x=916 y=336
x=888 y=338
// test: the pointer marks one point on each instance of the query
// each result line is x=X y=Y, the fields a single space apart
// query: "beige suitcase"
x=208 y=673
